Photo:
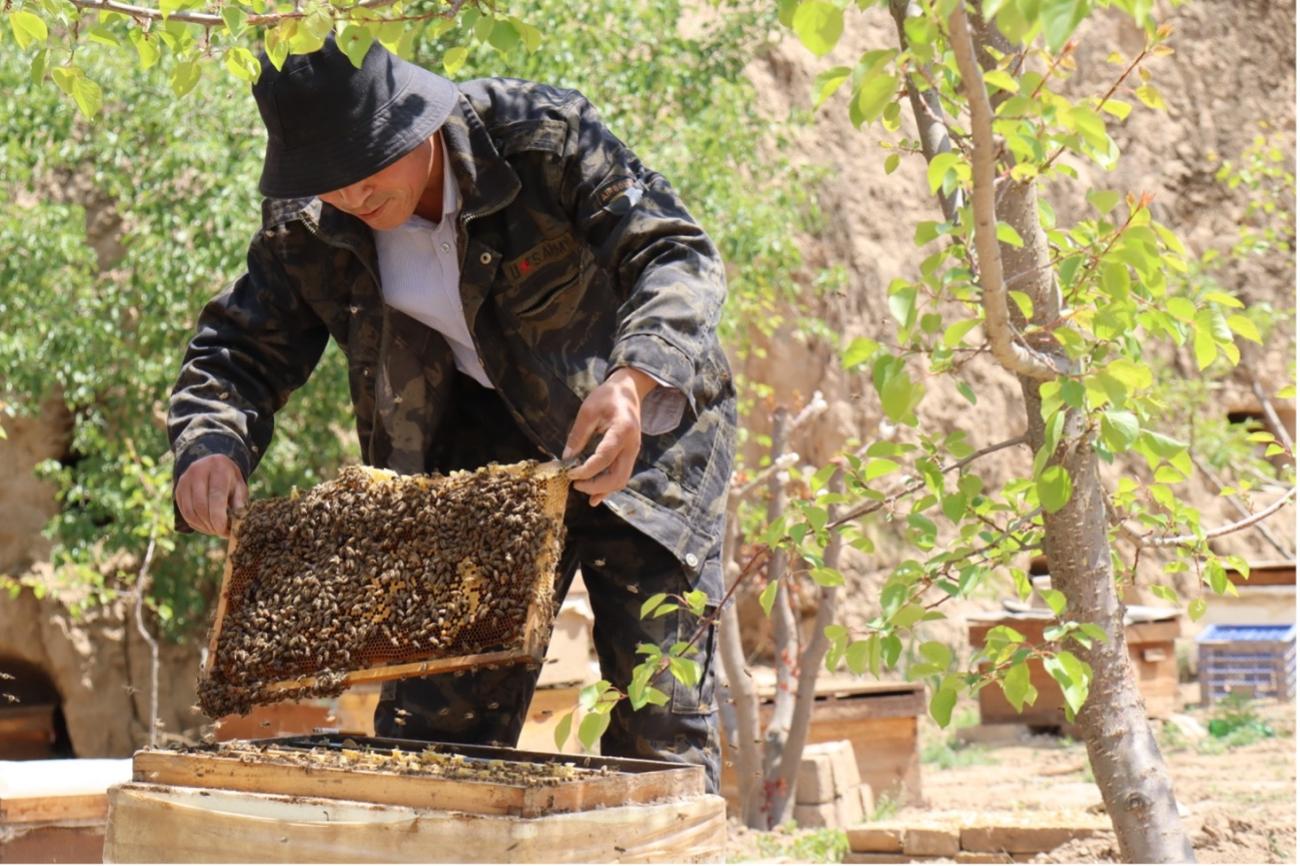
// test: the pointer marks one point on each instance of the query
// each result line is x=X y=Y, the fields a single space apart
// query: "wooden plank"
x=60 y=844
x=427 y=792
x=151 y=823
x=47 y=808
x=931 y=841
x=429 y=667
x=1022 y=839
x=1278 y=573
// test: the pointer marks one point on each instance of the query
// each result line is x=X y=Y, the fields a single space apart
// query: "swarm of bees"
x=374 y=568
x=429 y=762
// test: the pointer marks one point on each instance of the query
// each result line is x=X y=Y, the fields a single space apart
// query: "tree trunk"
x=1126 y=762
x=1134 y=782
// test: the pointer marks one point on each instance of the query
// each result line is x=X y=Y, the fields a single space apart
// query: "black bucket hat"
x=330 y=124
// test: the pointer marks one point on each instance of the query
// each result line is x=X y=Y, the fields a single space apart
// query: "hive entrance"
x=377 y=576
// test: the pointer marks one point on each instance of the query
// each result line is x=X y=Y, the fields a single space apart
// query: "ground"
x=1238 y=791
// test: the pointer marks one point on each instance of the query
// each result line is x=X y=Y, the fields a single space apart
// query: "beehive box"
x=54 y=811
x=879 y=719
x=1149 y=634
x=1258 y=660
x=338 y=799
x=376 y=576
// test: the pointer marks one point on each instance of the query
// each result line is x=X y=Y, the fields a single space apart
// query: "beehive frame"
x=535 y=633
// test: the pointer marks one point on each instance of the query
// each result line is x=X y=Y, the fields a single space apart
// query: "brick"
x=1021 y=839
x=851 y=808
x=931 y=841
x=868 y=839
x=982 y=857
x=866 y=857
x=817 y=814
x=815 y=782
x=844 y=765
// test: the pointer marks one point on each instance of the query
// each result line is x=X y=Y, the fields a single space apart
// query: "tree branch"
x=1175 y=540
x=149 y=639
x=875 y=505
x=1009 y=350
x=1241 y=509
x=206 y=19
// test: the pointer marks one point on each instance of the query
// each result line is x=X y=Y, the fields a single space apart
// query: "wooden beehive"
x=491 y=638
x=292 y=800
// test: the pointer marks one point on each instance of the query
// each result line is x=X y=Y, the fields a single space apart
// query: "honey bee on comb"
x=375 y=569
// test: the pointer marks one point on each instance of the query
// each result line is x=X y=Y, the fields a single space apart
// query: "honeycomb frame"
x=534 y=633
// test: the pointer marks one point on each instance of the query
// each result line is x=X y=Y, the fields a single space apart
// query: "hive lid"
x=1221 y=633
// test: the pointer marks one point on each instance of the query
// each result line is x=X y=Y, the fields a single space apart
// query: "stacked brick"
x=829 y=792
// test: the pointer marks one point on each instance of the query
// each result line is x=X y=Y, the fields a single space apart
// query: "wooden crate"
x=205 y=807
x=878 y=718
x=535 y=630
x=1150 y=648
x=54 y=811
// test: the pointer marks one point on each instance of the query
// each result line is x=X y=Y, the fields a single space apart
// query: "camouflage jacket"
x=575 y=260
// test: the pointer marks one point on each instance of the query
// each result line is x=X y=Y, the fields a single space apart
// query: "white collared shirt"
x=419 y=271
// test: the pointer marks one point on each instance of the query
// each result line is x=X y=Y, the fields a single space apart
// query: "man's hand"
x=613 y=409
x=209 y=490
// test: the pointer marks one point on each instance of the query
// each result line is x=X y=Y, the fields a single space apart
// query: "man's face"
x=387 y=198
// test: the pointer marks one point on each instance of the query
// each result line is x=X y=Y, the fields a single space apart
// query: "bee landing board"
x=376 y=576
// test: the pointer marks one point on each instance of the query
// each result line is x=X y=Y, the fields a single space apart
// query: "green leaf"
x=857 y=655
x=1119 y=430
x=818 y=24
x=768 y=596
x=1054 y=488
x=907 y=616
x=937 y=654
x=1055 y=600
x=236 y=20
x=592 y=727
x=88 y=96
x=1245 y=328
x=454 y=58
x=1009 y=236
x=939 y=168
x=242 y=64
x=1002 y=80
x=355 y=42
x=562 y=731
x=826 y=83
x=956 y=332
x=1060 y=18
x=590 y=695
x=145 y=47
x=696 y=600
x=1150 y=97
x=891 y=163
x=874 y=94
x=878 y=467
x=685 y=671
x=652 y=602
x=1224 y=300
x=1205 y=348
x=504 y=36
x=896 y=396
x=1104 y=200
x=277 y=45
x=859 y=351
x=1017 y=687
x=827 y=577
x=27 y=28
x=902 y=305
x=1196 y=609
x=941 y=704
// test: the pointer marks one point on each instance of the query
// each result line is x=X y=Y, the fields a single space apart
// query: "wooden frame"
x=630 y=781
x=536 y=630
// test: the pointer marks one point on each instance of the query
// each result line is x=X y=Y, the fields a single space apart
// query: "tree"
x=1074 y=312
x=1070 y=312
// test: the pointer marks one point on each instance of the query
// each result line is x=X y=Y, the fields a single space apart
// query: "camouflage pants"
x=621 y=568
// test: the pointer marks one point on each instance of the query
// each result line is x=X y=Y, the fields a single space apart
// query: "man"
x=508 y=281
